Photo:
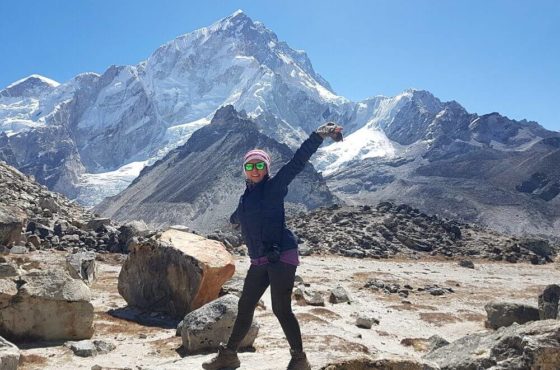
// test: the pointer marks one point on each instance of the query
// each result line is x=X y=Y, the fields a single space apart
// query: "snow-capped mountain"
x=91 y=136
x=132 y=114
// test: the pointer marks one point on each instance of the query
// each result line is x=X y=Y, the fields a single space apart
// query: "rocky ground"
x=401 y=322
x=377 y=282
x=34 y=218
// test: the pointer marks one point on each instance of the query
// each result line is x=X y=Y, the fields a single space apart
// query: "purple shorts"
x=290 y=256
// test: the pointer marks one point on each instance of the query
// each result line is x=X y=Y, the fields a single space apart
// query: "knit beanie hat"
x=257 y=154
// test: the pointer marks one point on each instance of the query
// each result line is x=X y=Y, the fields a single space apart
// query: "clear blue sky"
x=489 y=55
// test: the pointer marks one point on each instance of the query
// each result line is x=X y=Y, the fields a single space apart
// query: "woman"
x=272 y=247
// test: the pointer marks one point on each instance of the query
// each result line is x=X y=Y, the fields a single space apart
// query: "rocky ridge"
x=389 y=230
x=34 y=217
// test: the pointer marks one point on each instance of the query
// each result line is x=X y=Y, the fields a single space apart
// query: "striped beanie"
x=257 y=154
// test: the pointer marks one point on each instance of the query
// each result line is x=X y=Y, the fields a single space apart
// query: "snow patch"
x=44 y=79
x=365 y=143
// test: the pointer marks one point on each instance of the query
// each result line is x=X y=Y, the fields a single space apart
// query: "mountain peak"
x=235 y=20
x=35 y=79
x=31 y=85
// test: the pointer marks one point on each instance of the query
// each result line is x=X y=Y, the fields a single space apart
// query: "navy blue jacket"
x=260 y=211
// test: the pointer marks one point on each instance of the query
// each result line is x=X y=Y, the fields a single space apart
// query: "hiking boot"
x=225 y=359
x=298 y=361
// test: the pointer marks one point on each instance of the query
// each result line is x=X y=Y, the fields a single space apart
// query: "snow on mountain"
x=30 y=84
x=92 y=186
x=139 y=113
x=31 y=102
x=365 y=132
x=366 y=142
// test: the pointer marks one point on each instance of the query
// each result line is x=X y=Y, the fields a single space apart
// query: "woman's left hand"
x=330 y=129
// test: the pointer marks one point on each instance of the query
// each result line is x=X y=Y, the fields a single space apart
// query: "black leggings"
x=280 y=276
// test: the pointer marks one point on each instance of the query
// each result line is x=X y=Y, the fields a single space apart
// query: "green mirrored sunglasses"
x=259 y=166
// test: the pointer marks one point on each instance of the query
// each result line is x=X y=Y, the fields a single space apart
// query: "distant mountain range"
x=90 y=137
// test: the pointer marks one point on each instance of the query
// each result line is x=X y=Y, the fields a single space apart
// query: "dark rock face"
x=49 y=155
x=535 y=345
x=200 y=182
x=505 y=314
x=389 y=229
x=548 y=302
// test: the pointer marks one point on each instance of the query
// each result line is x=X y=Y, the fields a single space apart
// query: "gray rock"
x=366 y=321
x=314 y=298
x=99 y=367
x=9 y=355
x=338 y=295
x=103 y=346
x=47 y=305
x=8 y=270
x=548 y=302
x=504 y=314
x=435 y=342
x=82 y=265
x=83 y=348
x=35 y=240
x=97 y=223
x=128 y=232
x=298 y=294
x=211 y=324
x=8 y=290
x=436 y=291
x=71 y=238
x=466 y=263
x=535 y=345
x=89 y=348
x=11 y=225
x=18 y=249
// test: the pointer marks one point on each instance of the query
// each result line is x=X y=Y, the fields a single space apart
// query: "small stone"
x=18 y=249
x=366 y=322
x=338 y=295
x=103 y=346
x=35 y=240
x=83 y=348
x=315 y=299
x=466 y=263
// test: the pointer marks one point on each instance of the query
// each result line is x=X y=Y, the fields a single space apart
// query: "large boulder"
x=548 y=302
x=9 y=355
x=11 y=224
x=535 y=345
x=203 y=329
x=177 y=274
x=504 y=314
x=48 y=305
